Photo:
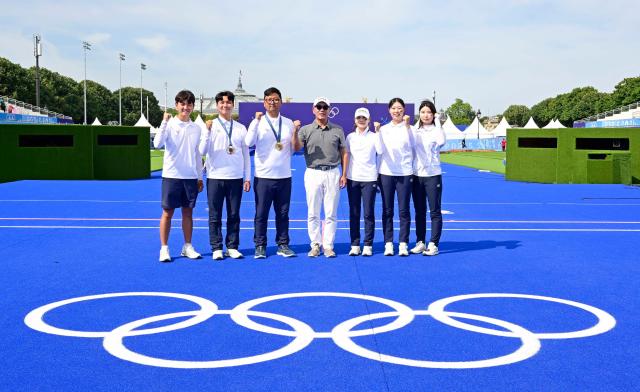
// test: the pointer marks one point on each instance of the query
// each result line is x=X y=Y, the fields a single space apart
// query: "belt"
x=324 y=167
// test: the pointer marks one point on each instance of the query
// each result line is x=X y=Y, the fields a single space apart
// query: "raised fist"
x=376 y=126
x=258 y=115
x=209 y=123
x=296 y=124
x=166 y=116
x=406 y=119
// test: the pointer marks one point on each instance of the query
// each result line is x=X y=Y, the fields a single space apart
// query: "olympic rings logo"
x=303 y=334
x=333 y=112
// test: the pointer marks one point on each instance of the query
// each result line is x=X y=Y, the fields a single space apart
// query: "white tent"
x=476 y=129
x=142 y=122
x=501 y=129
x=96 y=122
x=531 y=124
x=200 y=122
x=451 y=131
x=558 y=124
x=552 y=124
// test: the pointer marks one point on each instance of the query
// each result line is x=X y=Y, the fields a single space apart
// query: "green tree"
x=460 y=112
x=15 y=82
x=101 y=103
x=131 y=106
x=517 y=115
x=626 y=92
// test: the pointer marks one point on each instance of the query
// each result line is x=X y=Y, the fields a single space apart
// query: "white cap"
x=362 y=112
x=321 y=99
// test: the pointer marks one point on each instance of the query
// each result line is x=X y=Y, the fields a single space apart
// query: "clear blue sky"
x=489 y=53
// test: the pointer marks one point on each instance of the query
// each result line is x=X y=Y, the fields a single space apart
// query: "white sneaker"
x=217 y=255
x=388 y=249
x=187 y=250
x=419 y=248
x=164 y=254
x=432 y=250
x=367 y=251
x=355 y=250
x=234 y=254
x=403 y=249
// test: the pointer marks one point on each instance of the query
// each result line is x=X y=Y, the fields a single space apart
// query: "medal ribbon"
x=279 y=134
x=228 y=132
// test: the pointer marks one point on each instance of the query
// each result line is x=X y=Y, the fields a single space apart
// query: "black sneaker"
x=261 y=252
x=284 y=251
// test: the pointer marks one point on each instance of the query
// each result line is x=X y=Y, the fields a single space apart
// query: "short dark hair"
x=272 y=90
x=222 y=94
x=185 y=95
x=394 y=100
x=431 y=106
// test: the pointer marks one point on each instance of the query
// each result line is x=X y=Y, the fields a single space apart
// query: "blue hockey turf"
x=535 y=289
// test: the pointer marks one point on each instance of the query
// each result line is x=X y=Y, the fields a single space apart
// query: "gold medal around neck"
x=230 y=150
x=279 y=146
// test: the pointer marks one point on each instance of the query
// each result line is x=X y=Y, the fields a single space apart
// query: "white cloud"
x=156 y=44
x=98 y=38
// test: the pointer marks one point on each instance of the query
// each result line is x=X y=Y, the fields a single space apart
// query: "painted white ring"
x=34 y=319
x=530 y=344
x=240 y=316
x=114 y=345
x=605 y=323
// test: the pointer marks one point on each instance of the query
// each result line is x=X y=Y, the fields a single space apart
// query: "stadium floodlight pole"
x=142 y=68
x=147 y=97
x=201 y=99
x=478 y=114
x=37 y=52
x=165 y=96
x=122 y=58
x=86 y=46
x=434 y=97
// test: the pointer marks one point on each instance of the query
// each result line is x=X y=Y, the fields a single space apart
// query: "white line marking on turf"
x=304 y=220
x=304 y=228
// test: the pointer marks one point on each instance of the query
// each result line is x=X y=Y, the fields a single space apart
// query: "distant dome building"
x=209 y=104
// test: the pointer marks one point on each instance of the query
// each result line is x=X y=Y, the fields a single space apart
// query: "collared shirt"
x=181 y=156
x=268 y=161
x=322 y=145
x=363 y=150
x=397 y=158
x=214 y=145
x=429 y=139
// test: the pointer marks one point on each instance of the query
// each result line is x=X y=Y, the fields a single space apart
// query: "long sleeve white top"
x=181 y=156
x=397 y=157
x=269 y=162
x=428 y=141
x=363 y=150
x=214 y=146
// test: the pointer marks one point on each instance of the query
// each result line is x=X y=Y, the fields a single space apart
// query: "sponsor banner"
x=11 y=118
x=627 y=123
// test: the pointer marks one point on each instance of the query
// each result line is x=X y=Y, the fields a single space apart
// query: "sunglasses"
x=272 y=100
x=322 y=106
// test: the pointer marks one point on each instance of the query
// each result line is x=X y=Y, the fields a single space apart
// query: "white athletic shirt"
x=181 y=156
x=429 y=139
x=214 y=146
x=397 y=157
x=363 y=150
x=269 y=162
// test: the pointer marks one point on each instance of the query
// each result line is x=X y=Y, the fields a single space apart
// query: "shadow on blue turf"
x=457 y=247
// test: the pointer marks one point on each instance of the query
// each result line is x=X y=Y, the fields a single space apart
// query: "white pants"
x=323 y=187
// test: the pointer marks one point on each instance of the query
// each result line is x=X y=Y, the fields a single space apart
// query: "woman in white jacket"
x=396 y=170
x=429 y=137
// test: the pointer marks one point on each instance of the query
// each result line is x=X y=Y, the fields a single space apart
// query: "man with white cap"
x=324 y=150
x=363 y=147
